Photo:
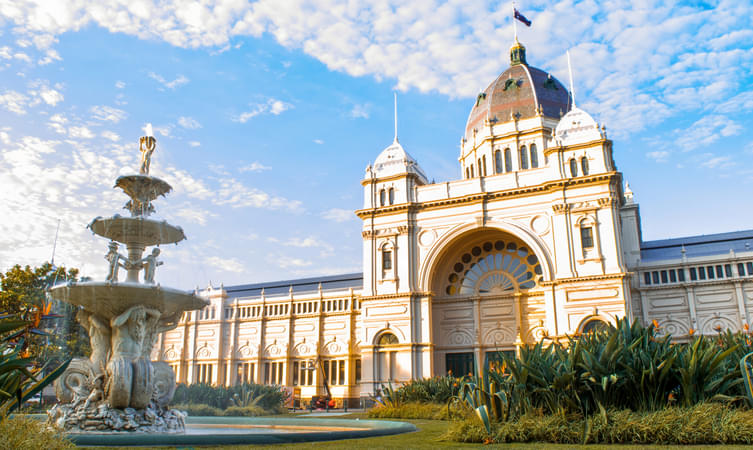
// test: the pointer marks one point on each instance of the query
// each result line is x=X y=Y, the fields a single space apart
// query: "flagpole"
x=514 y=24
x=570 y=69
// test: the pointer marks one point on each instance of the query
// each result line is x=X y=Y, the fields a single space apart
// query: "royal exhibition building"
x=539 y=239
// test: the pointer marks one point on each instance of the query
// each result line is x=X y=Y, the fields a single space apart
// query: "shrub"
x=421 y=410
x=198 y=409
x=245 y=411
x=706 y=423
x=270 y=398
x=23 y=433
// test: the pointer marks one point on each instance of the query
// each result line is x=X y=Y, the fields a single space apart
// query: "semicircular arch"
x=450 y=241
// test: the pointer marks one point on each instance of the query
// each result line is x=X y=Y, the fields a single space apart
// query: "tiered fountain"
x=119 y=388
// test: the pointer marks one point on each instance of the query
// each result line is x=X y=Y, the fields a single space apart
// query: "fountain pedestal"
x=119 y=388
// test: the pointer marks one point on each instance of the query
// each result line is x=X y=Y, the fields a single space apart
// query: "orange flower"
x=691 y=332
x=718 y=328
x=746 y=327
x=655 y=323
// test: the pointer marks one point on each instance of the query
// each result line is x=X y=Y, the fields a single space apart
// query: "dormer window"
x=498 y=162
x=523 y=158
x=573 y=168
x=534 y=157
x=382 y=197
x=508 y=160
x=392 y=196
x=584 y=165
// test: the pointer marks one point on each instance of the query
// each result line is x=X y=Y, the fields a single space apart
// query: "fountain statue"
x=119 y=387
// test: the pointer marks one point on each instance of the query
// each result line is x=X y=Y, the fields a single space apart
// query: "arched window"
x=498 y=162
x=534 y=157
x=483 y=160
x=467 y=173
x=584 y=165
x=386 y=357
x=523 y=158
x=471 y=170
x=573 y=167
x=382 y=197
x=508 y=160
x=392 y=196
x=594 y=326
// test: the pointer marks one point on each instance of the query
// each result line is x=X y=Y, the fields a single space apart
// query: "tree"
x=23 y=296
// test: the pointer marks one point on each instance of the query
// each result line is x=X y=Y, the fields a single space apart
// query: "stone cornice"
x=543 y=188
x=559 y=148
x=608 y=276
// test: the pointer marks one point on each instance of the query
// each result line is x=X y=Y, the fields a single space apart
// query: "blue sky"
x=266 y=114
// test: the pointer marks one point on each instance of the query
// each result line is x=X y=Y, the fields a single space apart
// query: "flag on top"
x=521 y=17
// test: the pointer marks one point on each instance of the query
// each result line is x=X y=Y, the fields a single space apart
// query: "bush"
x=439 y=389
x=198 y=409
x=245 y=411
x=23 y=433
x=708 y=423
x=420 y=410
x=269 y=398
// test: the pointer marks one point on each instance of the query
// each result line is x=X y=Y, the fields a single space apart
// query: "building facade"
x=539 y=239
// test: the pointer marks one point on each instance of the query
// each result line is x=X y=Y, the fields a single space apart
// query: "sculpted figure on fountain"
x=115 y=258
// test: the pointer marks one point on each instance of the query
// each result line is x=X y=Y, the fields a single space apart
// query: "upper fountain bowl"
x=140 y=230
x=143 y=188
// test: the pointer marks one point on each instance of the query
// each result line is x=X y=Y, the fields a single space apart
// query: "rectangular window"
x=358 y=370
x=586 y=237
x=710 y=272
x=647 y=277
x=741 y=269
x=727 y=270
x=460 y=364
x=693 y=275
x=681 y=274
x=341 y=373
x=749 y=266
x=296 y=372
x=701 y=273
x=655 y=277
x=664 y=278
x=719 y=272
x=386 y=259
x=672 y=276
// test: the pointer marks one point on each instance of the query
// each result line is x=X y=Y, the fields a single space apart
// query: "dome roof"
x=394 y=160
x=520 y=91
x=577 y=126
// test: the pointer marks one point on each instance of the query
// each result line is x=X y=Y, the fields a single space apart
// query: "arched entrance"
x=487 y=297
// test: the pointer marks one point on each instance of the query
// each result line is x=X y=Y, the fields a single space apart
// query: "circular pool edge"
x=356 y=429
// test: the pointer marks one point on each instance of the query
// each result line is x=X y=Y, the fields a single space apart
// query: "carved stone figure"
x=99 y=338
x=114 y=258
x=147 y=144
x=150 y=263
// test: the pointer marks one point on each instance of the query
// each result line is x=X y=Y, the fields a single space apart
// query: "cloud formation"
x=271 y=106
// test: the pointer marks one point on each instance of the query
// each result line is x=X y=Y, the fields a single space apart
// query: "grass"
x=430 y=432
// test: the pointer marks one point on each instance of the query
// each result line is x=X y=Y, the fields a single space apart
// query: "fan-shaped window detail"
x=498 y=161
x=534 y=157
x=387 y=339
x=594 y=326
x=523 y=158
x=494 y=267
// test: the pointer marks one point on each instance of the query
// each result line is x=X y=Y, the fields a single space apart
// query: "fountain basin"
x=143 y=231
x=109 y=300
x=249 y=430
x=143 y=188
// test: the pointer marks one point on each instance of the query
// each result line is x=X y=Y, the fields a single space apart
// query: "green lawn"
x=428 y=434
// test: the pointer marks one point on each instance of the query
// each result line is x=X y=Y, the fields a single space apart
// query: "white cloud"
x=360 y=112
x=80 y=132
x=194 y=143
x=705 y=131
x=338 y=215
x=110 y=135
x=41 y=91
x=716 y=162
x=287 y=262
x=189 y=123
x=120 y=84
x=179 y=81
x=108 y=114
x=14 y=102
x=318 y=141
x=659 y=155
x=254 y=167
x=272 y=106
x=227 y=264
x=235 y=194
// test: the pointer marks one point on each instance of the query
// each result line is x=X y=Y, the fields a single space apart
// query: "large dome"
x=520 y=91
